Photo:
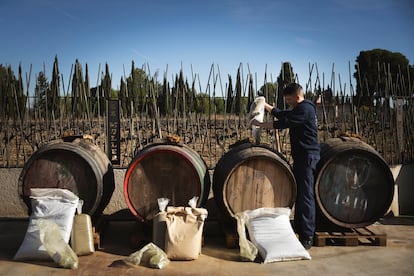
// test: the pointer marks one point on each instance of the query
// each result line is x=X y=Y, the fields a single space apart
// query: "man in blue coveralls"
x=302 y=124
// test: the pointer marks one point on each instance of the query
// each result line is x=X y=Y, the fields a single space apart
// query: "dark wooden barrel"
x=354 y=186
x=252 y=176
x=78 y=166
x=164 y=170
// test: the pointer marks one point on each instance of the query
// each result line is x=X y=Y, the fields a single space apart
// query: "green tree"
x=41 y=95
x=125 y=101
x=270 y=91
x=3 y=91
x=164 y=99
x=285 y=77
x=229 y=101
x=237 y=105
x=192 y=96
x=54 y=91
x=179 y=93
x=87 y=90
x=137 y=85
x=19 y=97
x=79 y=95
x=251 y=92
x=203 y=104
x=219 y=105
x=12 y=98
x=375 y=70
x=106 y=84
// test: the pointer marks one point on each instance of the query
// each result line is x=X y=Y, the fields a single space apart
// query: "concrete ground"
x=121 y=236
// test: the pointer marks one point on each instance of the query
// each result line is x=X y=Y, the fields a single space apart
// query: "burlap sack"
x=184 y=232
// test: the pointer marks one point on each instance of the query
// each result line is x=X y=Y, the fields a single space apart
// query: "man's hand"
x=268 y=107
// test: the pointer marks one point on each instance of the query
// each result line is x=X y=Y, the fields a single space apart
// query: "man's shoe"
x=307 y=242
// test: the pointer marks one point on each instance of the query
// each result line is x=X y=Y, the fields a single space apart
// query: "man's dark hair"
x=292 y=89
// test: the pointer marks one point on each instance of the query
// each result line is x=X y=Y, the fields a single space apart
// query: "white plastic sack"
x=270 y=230
x=257 y=110
x=57 y=205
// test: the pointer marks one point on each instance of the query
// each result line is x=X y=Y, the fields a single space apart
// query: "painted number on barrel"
x=352 y=196
x=353 y=202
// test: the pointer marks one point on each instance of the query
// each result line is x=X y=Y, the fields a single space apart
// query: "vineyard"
x=208 y=118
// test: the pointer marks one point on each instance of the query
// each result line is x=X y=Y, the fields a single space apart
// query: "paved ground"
x=397 y=258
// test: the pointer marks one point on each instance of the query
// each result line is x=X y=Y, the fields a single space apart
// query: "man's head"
x=293 y=94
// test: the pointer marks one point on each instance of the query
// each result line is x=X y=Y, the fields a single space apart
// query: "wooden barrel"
x=252 y=176
x=78 y=166
x=354 y=186
x=165 y=170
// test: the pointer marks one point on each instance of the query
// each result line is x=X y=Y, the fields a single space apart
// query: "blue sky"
x=198 y=34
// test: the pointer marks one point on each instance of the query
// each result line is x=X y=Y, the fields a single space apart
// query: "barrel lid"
x=164 y=170
x=354 y=187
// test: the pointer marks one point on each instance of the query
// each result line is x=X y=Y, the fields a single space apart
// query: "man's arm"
x=289 y=118
x=276 y=112
x=268 y=125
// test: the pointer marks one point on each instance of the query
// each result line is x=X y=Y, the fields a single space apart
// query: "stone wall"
x=11 y=206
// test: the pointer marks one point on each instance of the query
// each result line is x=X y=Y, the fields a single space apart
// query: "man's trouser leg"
x=304 y=171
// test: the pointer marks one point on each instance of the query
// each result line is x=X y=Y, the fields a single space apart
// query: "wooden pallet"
x=350 y=237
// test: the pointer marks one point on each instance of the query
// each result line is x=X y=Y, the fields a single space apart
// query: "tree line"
x=378 y=73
